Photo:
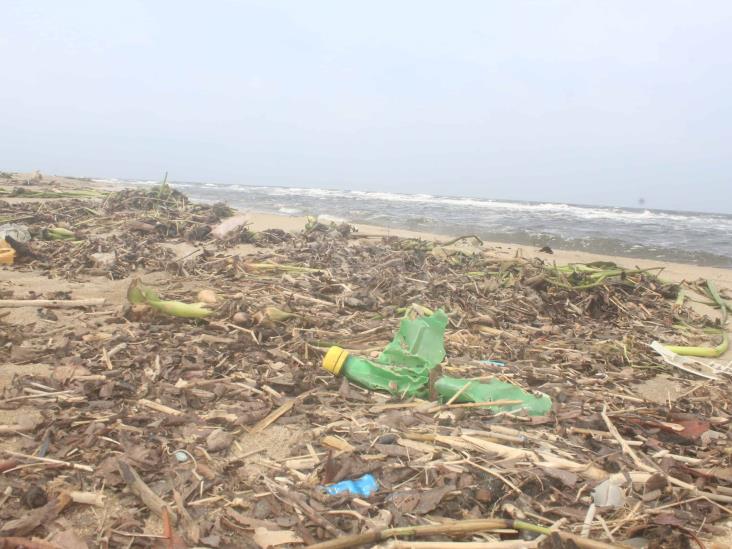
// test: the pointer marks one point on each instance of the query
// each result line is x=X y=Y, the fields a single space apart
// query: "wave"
x=290 y=211
x=544 y=208
x=115 y=181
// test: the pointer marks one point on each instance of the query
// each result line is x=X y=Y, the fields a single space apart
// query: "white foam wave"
x=325 y=218
x=115 y=181
x=546 y=208
x=290 y=211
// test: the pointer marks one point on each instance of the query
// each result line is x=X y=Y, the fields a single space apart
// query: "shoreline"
x=674 y=271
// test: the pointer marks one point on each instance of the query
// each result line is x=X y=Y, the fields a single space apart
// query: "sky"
x=588 y=102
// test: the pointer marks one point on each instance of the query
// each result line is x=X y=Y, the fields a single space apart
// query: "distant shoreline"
x=675 y=271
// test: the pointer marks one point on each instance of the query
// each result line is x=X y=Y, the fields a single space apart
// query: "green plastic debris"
x=403 y=369
x=495 y=390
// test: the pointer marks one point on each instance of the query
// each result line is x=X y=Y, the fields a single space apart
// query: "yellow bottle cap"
x=334 y=359
x=7 y=253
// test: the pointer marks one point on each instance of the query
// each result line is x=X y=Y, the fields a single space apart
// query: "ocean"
x=686 y=237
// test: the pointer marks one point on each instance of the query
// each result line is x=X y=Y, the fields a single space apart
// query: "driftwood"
x=138 y=487
x=53 y=303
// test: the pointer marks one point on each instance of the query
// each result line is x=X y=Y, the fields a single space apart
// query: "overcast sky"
x=595 y=102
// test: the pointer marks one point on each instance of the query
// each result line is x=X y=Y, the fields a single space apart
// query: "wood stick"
x=35 y=396
x=26 y=543
x=585 y=543
x=77 y=466
x=457 y=527
x=87 y=498
x=276 y=414
x=138 y=487
x=627 y=450
x=649 y=469
x=15 y=428
x=162 y=408
x=53 y=303
x=509 y=544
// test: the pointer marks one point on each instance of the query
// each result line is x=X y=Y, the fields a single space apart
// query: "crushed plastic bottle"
x=363 y=486
x=15 y=231
x=403 y=369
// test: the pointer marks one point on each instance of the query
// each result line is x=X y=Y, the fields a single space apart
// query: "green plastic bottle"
x=397 y=381
x=403 y=370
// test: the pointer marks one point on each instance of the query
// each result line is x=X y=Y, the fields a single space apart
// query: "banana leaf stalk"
x=592 y=275
x=705 y=352
x=708 y=352
x=138 y=294
x=58 y=233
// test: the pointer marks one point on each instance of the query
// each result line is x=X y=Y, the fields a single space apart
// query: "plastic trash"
x=19 y=233
x=535 y=405
x=228 y=225
x=403 y=369
x=7 y=253
x=492 y=362
x=608 y=494
x=363 y=486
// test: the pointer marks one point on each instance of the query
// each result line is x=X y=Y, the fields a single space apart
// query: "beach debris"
x=365 y=486
x=404 y=367
x=608 y=494
x=7 y=253
x=705 y=369
x=17 y=232
x=708 y=352
x=228 y=225
x=495 y=394
x=57 y=233
x=207 y=296
x=584 y=276
x=103 y=260
x=266 y=538
x=231 y=425
x=53 y=303
x=137 y=294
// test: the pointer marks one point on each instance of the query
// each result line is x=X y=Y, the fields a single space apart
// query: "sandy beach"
x=97 y=375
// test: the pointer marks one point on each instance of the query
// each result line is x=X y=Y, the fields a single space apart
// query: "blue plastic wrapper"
x=363 y=486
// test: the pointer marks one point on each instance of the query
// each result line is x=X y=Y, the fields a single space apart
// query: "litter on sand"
x=170 y=391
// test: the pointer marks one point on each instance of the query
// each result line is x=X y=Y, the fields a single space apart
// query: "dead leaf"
x=693 y=428
x=430 y=499
x=668 y=519
x=32 y=520
x=722 y=473
x=567 y=478
x=219 y=440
